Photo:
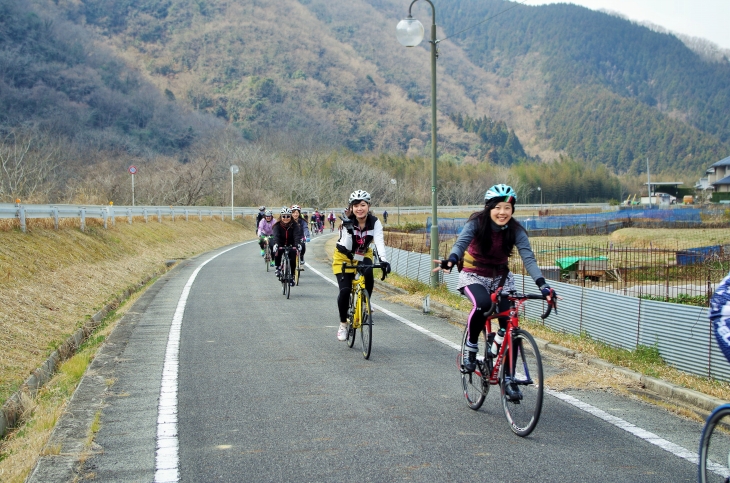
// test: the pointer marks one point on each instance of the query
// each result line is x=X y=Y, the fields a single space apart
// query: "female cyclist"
x=360 y=229
x=331 y=219
x=296 y=213
x=286 y=233
x=485 y=244
x=264 y=229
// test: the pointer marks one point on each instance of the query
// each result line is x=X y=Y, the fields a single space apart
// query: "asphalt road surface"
x=214 y=375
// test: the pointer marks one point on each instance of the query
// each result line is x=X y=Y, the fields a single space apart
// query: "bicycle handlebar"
x=362 y=268
x=520 y=296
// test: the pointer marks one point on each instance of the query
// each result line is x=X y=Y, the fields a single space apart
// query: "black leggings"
x=344 y=281
x=481 y=302
x=304 y=250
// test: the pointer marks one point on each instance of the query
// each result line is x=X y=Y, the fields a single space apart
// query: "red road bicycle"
x=517 y=363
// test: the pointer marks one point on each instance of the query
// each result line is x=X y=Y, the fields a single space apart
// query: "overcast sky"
x=709 y=19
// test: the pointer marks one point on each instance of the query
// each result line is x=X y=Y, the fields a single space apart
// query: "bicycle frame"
x=513 y=323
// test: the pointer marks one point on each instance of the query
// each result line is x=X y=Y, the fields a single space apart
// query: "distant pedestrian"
x=385 y=216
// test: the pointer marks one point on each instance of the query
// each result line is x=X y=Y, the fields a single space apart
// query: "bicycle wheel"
x=284 y=274
x=525 y=375
x=715 y=447
x=366 y=324
x=351 y=331
x=475 y=384
x=297 y=269
x=267 y=257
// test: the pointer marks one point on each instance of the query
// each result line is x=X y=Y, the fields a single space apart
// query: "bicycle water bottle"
x=498 y=339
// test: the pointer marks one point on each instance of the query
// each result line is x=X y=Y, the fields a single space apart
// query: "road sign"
x=132 y=169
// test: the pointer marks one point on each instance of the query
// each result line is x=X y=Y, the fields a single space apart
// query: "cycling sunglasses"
x=286 y=216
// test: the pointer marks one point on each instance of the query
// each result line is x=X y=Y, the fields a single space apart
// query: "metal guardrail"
x=110 y=213
x=682 y=333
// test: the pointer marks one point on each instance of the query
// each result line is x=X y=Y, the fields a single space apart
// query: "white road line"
x=167 y=460
x=650 y=437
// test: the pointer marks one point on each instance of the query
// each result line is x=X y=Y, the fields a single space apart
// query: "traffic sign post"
x=132 y=170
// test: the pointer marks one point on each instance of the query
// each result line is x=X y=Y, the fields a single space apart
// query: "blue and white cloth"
x=720 y=316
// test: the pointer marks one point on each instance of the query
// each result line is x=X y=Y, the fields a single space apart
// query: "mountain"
x=158 y=77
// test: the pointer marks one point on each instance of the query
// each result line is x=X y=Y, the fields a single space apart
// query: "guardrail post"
x=186 y=215
x=129 y=216
x=200 y=215
x=83 y=219
x=55 y=217
x=114 y=218
x=159 y=215
x=145 y=215
x=172 y=214
x=105 y=216
x=21 y=216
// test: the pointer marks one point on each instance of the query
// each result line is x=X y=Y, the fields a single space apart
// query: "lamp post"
x=234 y=170
x=540 y=190
x=397 y=196
x=409 y=32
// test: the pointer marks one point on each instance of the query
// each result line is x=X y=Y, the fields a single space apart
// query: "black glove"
x=547 y=291
x=348 y=224
x=385 y=266
x=453 y=260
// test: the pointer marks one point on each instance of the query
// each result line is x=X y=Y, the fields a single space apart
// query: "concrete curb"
x=663 y=388
x=13 y=408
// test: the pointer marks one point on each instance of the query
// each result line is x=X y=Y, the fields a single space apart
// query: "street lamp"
x=397 y=196
x=540 y=190
x=234 y=170
x=409 y=32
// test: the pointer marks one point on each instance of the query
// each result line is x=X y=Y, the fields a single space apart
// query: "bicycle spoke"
x=526 y=382
x=715 y=447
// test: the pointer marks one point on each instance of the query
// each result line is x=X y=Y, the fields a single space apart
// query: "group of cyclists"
x=481 y=251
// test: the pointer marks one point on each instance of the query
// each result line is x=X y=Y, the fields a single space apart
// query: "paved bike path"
x=266 y=393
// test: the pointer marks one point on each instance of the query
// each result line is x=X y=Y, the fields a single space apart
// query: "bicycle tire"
x=284 y=273
x=296 y=272
x=351 y=331
x=523 y=414
x=366 y=324
x=715 y=448
x=267 y=257
x=475 y=384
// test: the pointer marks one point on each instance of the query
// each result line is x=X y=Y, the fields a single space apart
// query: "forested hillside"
x=321 y=90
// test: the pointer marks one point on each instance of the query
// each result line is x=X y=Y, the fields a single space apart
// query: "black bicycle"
x=286 y=274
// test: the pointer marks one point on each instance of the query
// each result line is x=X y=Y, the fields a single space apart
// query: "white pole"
x=648 y=180
x=132 y=190
x=231 y=194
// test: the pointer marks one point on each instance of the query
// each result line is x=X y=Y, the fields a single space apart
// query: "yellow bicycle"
x=359 y=314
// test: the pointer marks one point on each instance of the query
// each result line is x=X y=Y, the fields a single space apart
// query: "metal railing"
x=110 y=213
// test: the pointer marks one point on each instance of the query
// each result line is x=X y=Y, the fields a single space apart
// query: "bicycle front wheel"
x=475 y=384
x=525 y=378
x=285 y=273
x=366 y=324
x=715 y=447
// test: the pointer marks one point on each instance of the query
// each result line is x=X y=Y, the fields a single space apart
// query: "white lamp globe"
x=409 y=32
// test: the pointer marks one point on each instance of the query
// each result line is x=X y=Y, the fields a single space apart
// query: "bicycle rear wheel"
x=297 y=269
x=366 y=324
x=715 y=447
x=475 y=384
x=525 y=375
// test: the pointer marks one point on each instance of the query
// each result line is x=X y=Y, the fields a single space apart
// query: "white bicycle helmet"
x=262 y=208
x=359 y=195
x=268 y=213
x=500 y=191
x=285 y=211
x=296 y=207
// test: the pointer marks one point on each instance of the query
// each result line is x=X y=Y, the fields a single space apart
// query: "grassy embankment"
x=53 y=281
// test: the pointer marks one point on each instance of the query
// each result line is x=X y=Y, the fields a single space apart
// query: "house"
x=718 y=178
